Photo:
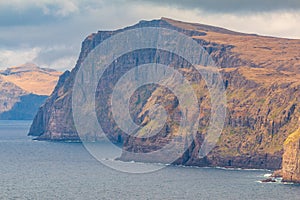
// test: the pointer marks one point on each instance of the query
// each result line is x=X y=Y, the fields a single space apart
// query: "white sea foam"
x=267 y=175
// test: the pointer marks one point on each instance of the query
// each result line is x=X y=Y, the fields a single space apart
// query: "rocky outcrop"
x=291 y=158
x=261 y=77
x=24 y=89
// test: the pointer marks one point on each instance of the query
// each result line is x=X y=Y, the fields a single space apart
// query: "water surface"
x=48 y=170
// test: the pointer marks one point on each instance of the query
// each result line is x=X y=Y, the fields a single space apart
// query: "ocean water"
x=48 y=170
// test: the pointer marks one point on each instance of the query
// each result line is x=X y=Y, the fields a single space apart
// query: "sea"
x=32 y=169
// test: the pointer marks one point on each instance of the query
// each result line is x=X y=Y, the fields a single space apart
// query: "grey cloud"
x=33 y=15
x=230 y=6
x=48 y=55
x=57 y=29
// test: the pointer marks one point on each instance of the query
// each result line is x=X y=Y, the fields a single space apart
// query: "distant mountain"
x=31 y=78
x=23 y=89
x=262 y=80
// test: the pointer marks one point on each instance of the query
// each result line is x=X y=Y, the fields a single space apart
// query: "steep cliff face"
x=291 y=158
x=259 y=118
x=261 y=76
x=52 y=122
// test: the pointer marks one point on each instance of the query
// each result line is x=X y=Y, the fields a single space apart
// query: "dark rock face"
x=259 y=77
x=268 y=180
x=55 y=122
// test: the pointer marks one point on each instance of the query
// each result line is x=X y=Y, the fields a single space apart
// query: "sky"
x=49 y=32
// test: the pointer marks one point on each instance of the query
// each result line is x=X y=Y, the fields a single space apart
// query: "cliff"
x=24 y=89
x=262 y=80
x=291 y=158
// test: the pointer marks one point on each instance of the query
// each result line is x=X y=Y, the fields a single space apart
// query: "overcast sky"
x=49 y=32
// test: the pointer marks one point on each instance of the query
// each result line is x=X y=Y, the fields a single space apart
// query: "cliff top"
x=201 y=27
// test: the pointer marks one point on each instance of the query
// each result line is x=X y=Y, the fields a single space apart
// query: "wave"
x=267 y=175
x=241 y=169
x=189 y=166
